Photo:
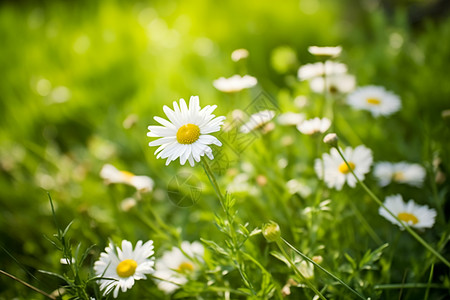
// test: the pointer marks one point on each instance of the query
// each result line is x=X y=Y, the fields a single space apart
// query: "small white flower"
x=174 y=267
x=295 y=186
x=239 y=54
x=325 y=51
x=290 y=119
x=258 y=120
x=335 y=172
x=112 y=175
x=235 y=83
x=375 y=99
x=121 y=267
x=402 y=172
x=187 y=135
x=314 y=126
x=328 y=68
x=340 y=83
x=418 y=216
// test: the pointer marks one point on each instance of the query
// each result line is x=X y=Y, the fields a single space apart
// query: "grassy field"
x=81 y=82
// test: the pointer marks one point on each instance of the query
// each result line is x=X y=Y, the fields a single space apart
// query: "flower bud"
x=271 y=231
x=331 y=139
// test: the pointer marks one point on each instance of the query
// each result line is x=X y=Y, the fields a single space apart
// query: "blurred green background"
x=81 y=81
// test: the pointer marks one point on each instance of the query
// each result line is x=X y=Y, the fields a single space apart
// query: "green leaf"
x=215 y=247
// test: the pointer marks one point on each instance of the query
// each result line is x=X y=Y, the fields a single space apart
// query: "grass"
x=74 y=74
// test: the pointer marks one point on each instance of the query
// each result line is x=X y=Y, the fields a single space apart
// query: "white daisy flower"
x=187 y=135
x=418 y=216
x=290 y=119
x=112 y=175
x=239 y=54
x=314 y=126
x=258 y=120
x=375 y=99
x=337 y=83
x=176 y=266
x=335 y=172
x=318 y=69
x=402 y=172
x=121 y=267
x=235 y=83
x=325 y=51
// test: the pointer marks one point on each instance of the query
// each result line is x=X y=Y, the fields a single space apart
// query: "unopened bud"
x=331 y=139
x=271 y=231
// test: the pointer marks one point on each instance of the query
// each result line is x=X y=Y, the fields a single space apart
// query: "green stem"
x=297 y=271
x=427 y=292
x=394 y=286
x=27 y=285
x=323 y=269
x=235 y=249
x=405 y=226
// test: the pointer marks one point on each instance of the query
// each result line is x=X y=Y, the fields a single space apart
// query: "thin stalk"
x=427 y=292
x=235 y=248
x=395 y=286
x=28 y=285
x=297 y=271
x=404 y=225
x=323 y=269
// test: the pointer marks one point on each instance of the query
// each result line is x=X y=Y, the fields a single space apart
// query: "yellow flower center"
x=188 y=134
x=127 y=175
x=126 y=268
x=373 y=101
x=185 y=267
x=408 y=218
x=398 y=176
x=343 y=168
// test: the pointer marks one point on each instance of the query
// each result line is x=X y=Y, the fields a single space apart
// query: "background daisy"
x=258 y=120
x=235 y=83
x=402 y=172
x=375 y=99
x=112 y=175
x=123 y=266
x=176 y=266
x=418 y=216
x=335 y=172
x=187 y=135
x=318 y=69
x=315 y=125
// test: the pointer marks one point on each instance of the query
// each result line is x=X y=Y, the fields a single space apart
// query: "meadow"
x=309 y=158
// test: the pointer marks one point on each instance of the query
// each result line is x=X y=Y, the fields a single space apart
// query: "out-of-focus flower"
x=331 y=139
x=235 y=83
x=325 y=51
x=335 y=171
x=340 y=83
x=290 y=119
x=402 y=172
x=318 y=69
x=121 y=267
x=127 y=204
x=187 y=135
x=176 y=267
x=375 y=99
x=112 y=175
x=295 y=186
x=418 y=216
x=258 y=121
x=314 y=126
x=239 y=54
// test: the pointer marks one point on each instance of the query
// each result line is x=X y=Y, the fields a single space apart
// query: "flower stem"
x=235 y=249
x=323 y=269
x=404 y=225
x=297 y=271
x=27 y=285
